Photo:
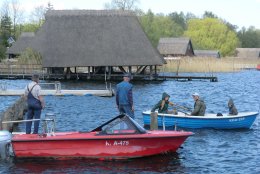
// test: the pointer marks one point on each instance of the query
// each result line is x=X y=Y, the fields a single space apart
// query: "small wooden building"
x=248 y=52
x=175 y=47
x=207 y=53
x=23 y=42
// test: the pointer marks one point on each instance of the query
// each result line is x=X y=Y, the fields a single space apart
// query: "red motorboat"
x=258 y=67
x=119 y=138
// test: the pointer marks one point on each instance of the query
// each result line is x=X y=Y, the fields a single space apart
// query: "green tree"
x=209 y=14
x=157 y=26
x=249 y=38
x=29 y=27
x=122 y=4
x=6 y=29
x=2 y=52
x=212 y=33
x=179 y=18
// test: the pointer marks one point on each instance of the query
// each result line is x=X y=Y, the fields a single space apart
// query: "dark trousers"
x=126 y=109
x=33 y=114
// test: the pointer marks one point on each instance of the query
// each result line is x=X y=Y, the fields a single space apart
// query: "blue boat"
x=243 y=120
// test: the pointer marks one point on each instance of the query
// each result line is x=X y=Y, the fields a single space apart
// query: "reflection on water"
x=207 y=151
x=159 y=163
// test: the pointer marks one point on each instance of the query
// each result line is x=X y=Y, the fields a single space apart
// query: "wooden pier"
x=82 y=76
x=101 y=93
x=189 y=78
x=58 y=91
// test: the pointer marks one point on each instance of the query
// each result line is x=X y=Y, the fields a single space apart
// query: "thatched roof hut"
x=23 y=42
x=81 y=38
x=175 y=47
x=248 y=52
x=207 y=53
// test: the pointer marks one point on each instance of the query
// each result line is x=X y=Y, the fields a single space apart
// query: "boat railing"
x=57 y=86
x=48 y=124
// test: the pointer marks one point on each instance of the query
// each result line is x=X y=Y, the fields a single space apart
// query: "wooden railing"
x=14 y=68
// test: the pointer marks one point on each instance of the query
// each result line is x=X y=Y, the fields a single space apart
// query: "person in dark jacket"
x=232 y=108
x=163 y=105
x=35 y=103
x=199 y=106
x=124 y=96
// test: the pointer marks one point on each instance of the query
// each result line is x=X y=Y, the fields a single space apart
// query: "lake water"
x=208 y=151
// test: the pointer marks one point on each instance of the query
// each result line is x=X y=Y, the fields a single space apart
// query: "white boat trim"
x=207 y=115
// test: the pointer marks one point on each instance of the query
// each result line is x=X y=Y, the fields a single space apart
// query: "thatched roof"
x=71 y=38
x=23 y=42
x=248 y=52
x=175 y=46
x=207 y=53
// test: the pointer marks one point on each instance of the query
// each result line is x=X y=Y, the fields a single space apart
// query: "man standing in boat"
x=199 y=105
x=124 y=96
x=35 y=103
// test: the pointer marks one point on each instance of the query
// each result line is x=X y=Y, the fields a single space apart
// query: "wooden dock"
x=189 y=78
x=107 y=92
x=101 y=93
x=82 y=76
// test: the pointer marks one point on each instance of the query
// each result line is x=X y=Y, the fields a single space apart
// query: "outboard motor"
x=5 y=142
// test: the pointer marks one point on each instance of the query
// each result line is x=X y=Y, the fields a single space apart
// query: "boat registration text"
x=117 y=143
x=236 y=119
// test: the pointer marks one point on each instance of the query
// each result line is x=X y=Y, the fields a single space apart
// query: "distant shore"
x=209 y=65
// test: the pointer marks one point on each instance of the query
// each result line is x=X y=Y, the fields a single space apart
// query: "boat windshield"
x=120 y=125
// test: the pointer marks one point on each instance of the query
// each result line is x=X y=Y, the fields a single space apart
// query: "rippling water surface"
x=208 y=151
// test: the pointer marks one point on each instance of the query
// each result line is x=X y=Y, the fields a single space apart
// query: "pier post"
x=154 y=121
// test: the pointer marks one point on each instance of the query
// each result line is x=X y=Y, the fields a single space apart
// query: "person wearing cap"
x=199 y=105
x=124 y=96
x=35 y=103
x=163 y=105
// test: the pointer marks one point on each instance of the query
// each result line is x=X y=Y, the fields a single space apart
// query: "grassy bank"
x=205 y=65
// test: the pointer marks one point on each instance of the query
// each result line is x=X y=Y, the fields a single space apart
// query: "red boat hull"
x=258 y=67
x=91 y=145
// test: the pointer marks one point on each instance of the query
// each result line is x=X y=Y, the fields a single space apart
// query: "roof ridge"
x=90 y=13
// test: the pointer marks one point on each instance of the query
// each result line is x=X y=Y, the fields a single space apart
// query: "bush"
x=29 y=56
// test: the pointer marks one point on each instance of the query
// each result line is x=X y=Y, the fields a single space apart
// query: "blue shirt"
x=124 y=95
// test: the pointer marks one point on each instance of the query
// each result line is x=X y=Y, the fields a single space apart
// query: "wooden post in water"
x=154 y=121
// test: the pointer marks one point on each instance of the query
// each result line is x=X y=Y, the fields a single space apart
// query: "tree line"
x=208 y=32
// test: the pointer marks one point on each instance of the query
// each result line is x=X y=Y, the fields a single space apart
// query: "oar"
x=183 y=107
x=186 y=113
x=182 y=111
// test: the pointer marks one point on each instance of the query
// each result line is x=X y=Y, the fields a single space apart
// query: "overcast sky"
x=238 y=12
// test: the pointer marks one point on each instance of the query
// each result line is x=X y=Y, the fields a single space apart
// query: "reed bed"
x=207 y=64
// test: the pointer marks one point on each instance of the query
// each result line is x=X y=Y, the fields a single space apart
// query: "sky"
x=238 y=12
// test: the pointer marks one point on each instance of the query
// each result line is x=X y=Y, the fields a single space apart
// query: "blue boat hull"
x=243 y=120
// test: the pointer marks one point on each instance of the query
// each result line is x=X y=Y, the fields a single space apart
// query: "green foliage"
x=5 y=28
x=179 y=18
x=29 y=27
x=249 y=38
x=157 y=26
x=2 y=52
x=29 y=56
x=209 y=14
x=212 y=33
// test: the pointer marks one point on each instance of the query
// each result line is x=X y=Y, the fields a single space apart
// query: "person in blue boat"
x=35 y=103
x=163 y=105
x=199 y=105
x=124 y=96
x=232 y=108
